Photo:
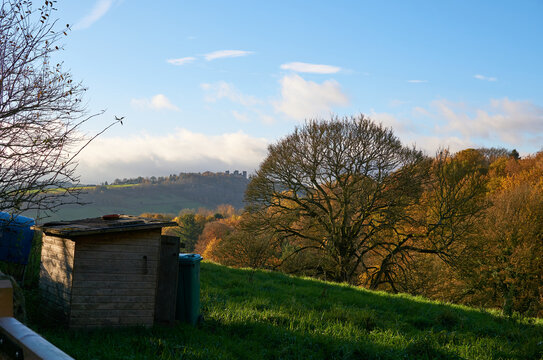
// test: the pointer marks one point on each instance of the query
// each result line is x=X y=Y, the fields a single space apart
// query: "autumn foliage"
x=463 y=227
x=498 y=260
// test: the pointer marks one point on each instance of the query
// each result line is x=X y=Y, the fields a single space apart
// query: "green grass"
x=263 y=315
x=133 y=199
x=131 y=205
x=86 y=187
x=120 y=186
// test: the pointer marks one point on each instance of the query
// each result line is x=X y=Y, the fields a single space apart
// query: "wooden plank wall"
x=56 y=275
x=115 y=279
x=167 y=280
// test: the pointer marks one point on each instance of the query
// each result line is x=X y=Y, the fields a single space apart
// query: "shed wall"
x=56 y=276
x=115 y=277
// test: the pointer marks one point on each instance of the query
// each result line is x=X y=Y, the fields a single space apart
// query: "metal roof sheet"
x=101 y=225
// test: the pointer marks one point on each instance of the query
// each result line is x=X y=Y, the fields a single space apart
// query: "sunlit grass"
x=263 y=315
x=118 y=186
x=85 y=188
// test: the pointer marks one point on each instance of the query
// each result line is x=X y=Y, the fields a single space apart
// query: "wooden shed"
x=105 y=271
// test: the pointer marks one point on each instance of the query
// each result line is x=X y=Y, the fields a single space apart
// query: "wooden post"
x=6 y=298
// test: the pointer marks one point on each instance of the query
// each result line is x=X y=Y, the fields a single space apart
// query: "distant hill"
x=169 y=195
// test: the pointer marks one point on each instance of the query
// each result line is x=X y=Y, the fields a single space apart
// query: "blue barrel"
x=15 y=238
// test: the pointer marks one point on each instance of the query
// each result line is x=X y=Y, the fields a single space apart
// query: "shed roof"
x=102 y=225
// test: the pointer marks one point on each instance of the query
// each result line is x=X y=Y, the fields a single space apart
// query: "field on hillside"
x=262 y=315
x=134 y=199
x=125 y=202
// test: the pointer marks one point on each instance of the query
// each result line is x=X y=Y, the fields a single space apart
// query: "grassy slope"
x=261 y=315
x=131 y=199
x=129 y=205
x=202 y=191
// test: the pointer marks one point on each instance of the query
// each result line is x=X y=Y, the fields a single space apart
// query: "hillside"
x=191 y=192
x=262 y=315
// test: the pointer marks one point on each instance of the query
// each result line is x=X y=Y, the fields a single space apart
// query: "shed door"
x=167 y=279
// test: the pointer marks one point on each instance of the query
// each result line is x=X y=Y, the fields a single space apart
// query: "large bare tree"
x=333 y=186
x=41 y=112
x=347 y=192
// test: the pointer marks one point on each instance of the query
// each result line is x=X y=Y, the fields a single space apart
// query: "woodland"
x=344 y=200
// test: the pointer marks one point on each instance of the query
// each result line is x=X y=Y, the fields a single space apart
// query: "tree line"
x=181 y=178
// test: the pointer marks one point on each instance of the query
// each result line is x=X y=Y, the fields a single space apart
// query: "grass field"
x=123 y=199
x=262 y=315
x=135 y=199
x=129 y=205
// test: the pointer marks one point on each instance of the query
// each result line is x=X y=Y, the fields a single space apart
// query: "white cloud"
x=432 y=144
x=301 y=99
x=485 y=78
x=267 y=119
x=224 y=90
x=240 y=116
x=390 y=121
x=100 y=9
x=252 y=107
x=181 y=61
x=397 y=102
x=513 y=122
x=310 y=68
x=180 y=151
x=499 y=123
x=157 y=102
x=417 y=81
x=411 y=133
x=226 y=54
x=419 y=110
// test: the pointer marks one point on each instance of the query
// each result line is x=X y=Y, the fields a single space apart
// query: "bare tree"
x=332 y=186
x=41 y=112
x=440 y=223
x=348 y=191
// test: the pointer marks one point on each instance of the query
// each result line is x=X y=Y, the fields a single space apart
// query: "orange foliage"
x=501 y=263
x=212 y=236
x=510 y=173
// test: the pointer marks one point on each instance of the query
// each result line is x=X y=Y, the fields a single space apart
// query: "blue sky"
x=207 y=85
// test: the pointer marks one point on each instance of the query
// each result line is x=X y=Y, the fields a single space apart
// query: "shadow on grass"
x=264 y=315
x=216 y=340
x=390 y=326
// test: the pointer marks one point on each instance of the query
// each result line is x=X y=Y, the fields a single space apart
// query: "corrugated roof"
x=101 y=225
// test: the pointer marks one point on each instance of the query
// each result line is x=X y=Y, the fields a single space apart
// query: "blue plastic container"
x=15 y=238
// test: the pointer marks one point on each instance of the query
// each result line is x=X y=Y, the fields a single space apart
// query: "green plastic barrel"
x=187 y=307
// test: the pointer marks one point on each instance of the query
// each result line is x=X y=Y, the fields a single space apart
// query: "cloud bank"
x=513 y=122
x=500 y=123
x=182 y=151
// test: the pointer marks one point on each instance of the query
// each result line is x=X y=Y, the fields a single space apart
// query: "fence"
x=18 y=341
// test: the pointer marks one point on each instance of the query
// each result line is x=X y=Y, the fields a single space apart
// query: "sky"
x=208 y=85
